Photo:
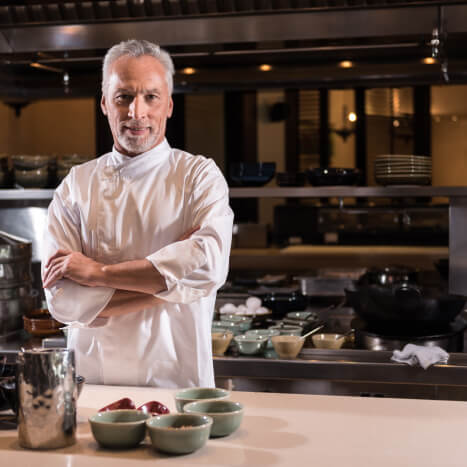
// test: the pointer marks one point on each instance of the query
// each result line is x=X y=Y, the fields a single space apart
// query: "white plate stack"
x=405 y=169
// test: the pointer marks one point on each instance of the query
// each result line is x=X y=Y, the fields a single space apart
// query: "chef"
x=138 y=240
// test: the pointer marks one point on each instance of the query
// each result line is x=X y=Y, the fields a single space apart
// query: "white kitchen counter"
x=280 y=430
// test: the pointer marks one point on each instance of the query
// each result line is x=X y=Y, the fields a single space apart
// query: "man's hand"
x=65 y=264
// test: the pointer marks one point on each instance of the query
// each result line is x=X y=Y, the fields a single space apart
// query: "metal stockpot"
x=15 y=260
x=16 y=297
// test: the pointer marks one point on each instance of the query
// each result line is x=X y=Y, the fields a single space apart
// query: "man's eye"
x=152 y=97
x=123 y=98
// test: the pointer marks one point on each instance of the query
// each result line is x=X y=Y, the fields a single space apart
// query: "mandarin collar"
x=135 y=166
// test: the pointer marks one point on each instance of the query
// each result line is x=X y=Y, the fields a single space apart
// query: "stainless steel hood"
x=224 y=35
x=77 y=26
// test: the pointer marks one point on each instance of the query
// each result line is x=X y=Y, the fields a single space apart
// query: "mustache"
x=134 y=124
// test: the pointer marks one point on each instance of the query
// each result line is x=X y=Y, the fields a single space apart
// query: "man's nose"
x=137 y=108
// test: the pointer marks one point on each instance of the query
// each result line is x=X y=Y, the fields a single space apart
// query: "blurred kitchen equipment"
x=280 y=300
x=449 y=337
x=249 y=236
x=291 y=179
x=31 y=171
x=16 y=296
x=329 y=282
x=388 y=275
x=404 y=169
x=332 y=176
x=67 y=161
x=442 y=266
x=404 y=306
x=251 y=173
x=47 y=394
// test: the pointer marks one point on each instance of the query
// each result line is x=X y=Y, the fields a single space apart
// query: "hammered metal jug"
x=47 y=396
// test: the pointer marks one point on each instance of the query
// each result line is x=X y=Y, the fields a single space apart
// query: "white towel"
x=419 y=354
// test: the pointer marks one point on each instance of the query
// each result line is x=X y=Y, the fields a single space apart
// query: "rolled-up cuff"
x=70 y=302
x=178 y=293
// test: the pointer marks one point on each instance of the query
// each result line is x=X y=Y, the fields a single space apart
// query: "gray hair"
x=137 y=48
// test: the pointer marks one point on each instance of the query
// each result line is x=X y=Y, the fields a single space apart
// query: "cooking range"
x=383 y=316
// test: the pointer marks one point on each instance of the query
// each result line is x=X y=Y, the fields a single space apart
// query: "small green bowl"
x=251 y=345
x=244 y=322
x=226 y=415
x=264 y=333
x=185 y=396
x=119 y=429
x=179 y=433
x=234 y=328
x=301 y=315
x=288 y=330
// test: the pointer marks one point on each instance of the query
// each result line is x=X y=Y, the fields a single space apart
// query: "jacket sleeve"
x=68 y=301
x=196 y=267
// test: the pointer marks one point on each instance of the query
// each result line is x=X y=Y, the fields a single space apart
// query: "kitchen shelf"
x=351 y=192
x=282 y=192
x=26 y=194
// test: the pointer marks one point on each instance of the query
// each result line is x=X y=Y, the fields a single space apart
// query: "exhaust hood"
x=230 y=38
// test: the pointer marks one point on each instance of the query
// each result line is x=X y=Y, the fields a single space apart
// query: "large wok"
x=404 y=305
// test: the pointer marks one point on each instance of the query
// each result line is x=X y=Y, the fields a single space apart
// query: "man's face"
x=137 y=103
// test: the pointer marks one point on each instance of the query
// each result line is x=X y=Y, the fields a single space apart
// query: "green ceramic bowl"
x=264 y=333
x=244 y=322
x=288 y=330
x=226 y=415
x=185 y=396
x=301 y=315
x=179 y=433
x=119 y=429
x=251 y=345
x=234 y=328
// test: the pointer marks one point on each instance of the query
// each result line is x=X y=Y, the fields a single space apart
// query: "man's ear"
x=103 y=105
x=171 y=108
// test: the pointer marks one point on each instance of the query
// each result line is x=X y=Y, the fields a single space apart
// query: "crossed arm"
x=135 y=281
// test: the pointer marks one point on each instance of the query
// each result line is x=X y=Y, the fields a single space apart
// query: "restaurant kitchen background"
x=305 y=85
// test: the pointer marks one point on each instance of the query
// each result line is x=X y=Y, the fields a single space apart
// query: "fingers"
x=54 y=272
x=57 y=254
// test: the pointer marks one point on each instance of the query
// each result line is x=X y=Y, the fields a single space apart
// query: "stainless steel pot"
x=451 y=340
x=15 y=260
x=315 y=286
x=12 y=311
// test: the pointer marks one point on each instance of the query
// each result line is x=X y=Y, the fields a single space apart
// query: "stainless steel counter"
x=345 y=372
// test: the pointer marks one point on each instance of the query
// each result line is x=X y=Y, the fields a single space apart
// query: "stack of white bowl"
x=404 y=169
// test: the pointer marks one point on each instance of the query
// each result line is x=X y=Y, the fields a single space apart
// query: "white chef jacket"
x=118 y=208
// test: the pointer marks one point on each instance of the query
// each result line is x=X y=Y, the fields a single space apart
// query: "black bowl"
x=332 y=176
x=404 y=305
x=251 y=174
x=280 y=303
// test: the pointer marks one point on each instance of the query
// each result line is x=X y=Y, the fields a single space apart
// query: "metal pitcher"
x=47 y=396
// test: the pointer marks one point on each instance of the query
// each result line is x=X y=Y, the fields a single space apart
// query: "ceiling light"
x=396 y=123
x=429 y=60
x=188 y=71
x=41 y=66
x=265 y=67
x=352 y=117
x=346 y=64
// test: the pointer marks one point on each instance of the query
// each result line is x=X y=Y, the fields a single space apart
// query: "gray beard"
x=135 y=145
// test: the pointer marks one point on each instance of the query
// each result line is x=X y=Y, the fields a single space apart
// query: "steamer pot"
x=15 y=261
